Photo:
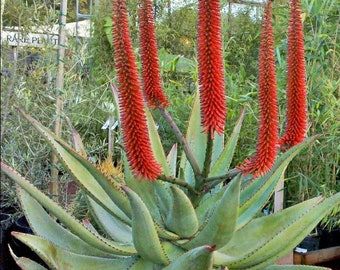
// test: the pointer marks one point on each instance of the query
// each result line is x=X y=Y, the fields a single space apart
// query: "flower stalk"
x=181 y=139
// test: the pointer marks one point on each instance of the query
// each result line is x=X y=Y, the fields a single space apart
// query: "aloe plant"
x=192 y=213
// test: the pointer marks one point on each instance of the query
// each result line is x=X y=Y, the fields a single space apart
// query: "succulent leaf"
x=280 y=232
x=223 y=162
x=25 y=263
x=182 y=218
x=68 y=220
x=199 y=258
x=142 y=264
x=116 y=229
x=144 y=232
x=156 y=143
x=257 y=193
x=46 y=227
x=221 y=225
x=172 y=159
x=197 y=141
x=172 y=251
x=165 y=234
x=295 y=267
x=58 y=258
x=104 y=191
x=145 y=190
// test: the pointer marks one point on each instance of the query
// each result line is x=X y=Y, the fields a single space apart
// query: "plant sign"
x=14 y=38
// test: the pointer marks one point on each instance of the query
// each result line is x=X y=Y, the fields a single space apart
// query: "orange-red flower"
x=266 y=149
x=210 y=67
x=296 y=114
x=152 y=86
x=133 y=119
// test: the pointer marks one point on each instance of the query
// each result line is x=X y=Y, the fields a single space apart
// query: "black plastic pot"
x=329 y=238
x=310 y=243
x=5 y=228
x=20 y=249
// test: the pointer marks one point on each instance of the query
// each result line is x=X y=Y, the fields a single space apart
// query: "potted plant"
x=192 y=213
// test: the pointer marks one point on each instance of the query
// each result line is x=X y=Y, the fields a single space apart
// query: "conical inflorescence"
x=210 y=67
x=152 y=85
x=267 y=143
x=296 y=115
x=133 y=119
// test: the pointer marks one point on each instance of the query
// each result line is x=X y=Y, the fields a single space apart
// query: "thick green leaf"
x=295 y=267
x=208 y=204
x=116 y=229
x=77 y=142
x=221 y=225
x=119 y=204
x=264 y=240
x=142 y=264
x=172 y=251
x=46 y=227
x=145 y=189
x=69 y=221
x=25 y=263
x=172 y=160
x=57 y=258
x=182 y=217
x=199 y=258
x=255 y=195
x=223 y=162
x=196 y=140
x=144 y=231
x=165 y=234
x=156 y=143
x=92 y=181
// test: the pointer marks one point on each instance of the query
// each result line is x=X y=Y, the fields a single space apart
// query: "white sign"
x=14 y=38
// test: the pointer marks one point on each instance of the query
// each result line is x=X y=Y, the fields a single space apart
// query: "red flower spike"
x=210 y=67
x=152 y=86
x=135 y=131
x=266 y=149
x=296 y=127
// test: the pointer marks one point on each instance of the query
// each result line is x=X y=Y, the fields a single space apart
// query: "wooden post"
x=53 y=188
x=278 y=205
x=279 y=194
